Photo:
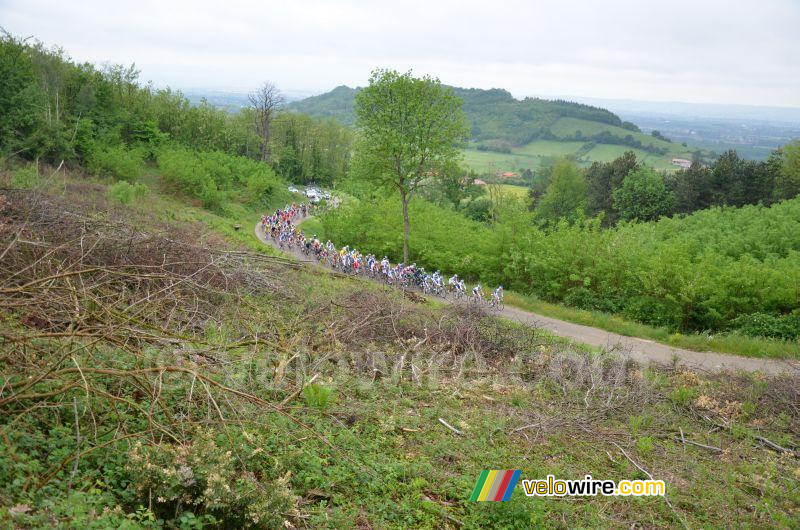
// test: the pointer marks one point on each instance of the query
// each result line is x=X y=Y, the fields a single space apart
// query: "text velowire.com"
x=588 y=486
x=499 y=484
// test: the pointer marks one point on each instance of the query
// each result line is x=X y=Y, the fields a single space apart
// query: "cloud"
x=687 y=50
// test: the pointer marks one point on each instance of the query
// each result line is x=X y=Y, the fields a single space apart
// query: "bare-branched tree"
x=265 y=102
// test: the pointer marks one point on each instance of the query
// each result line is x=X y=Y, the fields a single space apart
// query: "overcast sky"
x=724 y=51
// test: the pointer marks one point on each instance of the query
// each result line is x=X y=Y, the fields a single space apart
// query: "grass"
x=548 y=148
x=730 y=343
x=607 y=153
x=534 y=154
x=566 y=127
x=492 y=162
x=520 y=192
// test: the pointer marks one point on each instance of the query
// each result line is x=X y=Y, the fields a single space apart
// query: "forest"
x=53 y=110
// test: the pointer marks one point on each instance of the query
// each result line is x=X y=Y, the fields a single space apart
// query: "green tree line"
x=625 y=189
x=53 y=109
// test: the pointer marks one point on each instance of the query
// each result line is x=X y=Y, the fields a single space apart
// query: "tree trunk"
x=404 y=200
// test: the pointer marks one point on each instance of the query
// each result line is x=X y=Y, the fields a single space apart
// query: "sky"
x=703 y=51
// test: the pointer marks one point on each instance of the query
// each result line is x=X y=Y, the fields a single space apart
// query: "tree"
x=787 y=183
x=265 y=102
x=691 y=188
x=643 y=196
x=409 y=129
x=603 y=179
x=566 y=193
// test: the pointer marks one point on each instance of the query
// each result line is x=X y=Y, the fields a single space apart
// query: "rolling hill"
x=508 y=134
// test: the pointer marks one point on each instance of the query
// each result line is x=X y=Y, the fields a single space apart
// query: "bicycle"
x=496 y=304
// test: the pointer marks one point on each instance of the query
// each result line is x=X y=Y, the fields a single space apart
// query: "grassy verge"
x=731 y=343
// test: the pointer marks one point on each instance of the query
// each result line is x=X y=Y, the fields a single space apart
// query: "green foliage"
x=25 y=177
x=54 y=109
x=116 y=161
x=478 y=209
x=125 y=193
x=683 y=396
x=373 y=225
x=643 y=196
x=785 y=327
x=207 y=477
x=688 y=273
x=565 y=197
x=603 y=179
x=317 y=396
x=409 y=129
x=787 y=184
x=213 y=176
x=307 y=149
x=494 y=115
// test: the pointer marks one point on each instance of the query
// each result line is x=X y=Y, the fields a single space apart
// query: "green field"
x=492 y=162
x=532 y=155
x=542 y=148
x=516 y=191
x=607 y=153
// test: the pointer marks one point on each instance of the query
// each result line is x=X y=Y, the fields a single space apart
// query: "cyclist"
x=477 y=293
x=452 y=283
x=497 y=296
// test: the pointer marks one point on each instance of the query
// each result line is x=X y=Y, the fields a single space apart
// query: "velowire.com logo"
x=495 y=485
x=499 y=484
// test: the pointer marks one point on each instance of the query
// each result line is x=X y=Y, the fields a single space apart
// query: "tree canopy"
x=409 y=131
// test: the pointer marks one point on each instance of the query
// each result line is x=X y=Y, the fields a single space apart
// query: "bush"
x=205 y=477
x=25 y=177
x=116 y=161
x=126 y=193
x=690 y=273
x=785 y=327
x=317 y=395
x=211 y=175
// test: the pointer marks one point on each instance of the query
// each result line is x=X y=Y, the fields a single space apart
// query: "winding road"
x=641 y=350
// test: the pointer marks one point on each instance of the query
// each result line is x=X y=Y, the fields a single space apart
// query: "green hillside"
x=338 y=103
x=495 y=116
x=509 y=134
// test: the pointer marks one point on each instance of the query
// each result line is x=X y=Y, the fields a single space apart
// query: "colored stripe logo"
x=495 y=485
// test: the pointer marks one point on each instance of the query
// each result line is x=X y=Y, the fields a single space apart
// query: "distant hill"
x=496 y=117
x=512 y=134
x=339 y=103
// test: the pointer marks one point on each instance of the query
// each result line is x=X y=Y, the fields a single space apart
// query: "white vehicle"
x=293 y=189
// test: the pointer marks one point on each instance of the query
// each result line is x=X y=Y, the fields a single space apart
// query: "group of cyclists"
x=281 y=227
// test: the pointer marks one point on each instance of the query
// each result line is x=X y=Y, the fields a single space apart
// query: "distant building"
x=507 y=175
x=682 y=163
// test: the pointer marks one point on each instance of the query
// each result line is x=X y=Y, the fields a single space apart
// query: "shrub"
x=317 y=395
x=205 y=477
x=125 y=193
x=25 y=177
x=785 y=327
x=211 y=175
x=116 y=161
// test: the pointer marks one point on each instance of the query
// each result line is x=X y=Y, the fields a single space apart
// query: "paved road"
x=642 y=350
